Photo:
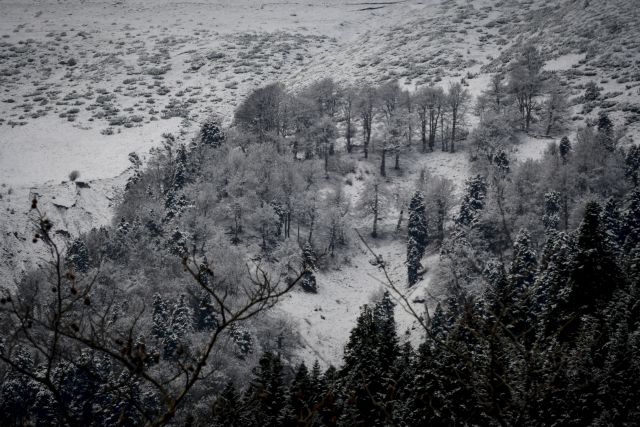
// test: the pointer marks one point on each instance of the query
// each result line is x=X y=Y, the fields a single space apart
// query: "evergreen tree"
x=524 y=264
x=160 y=317
x=605 y=131
x=227 y=409
x=612 y=223
x=17 y=391
x=551 y=303
x=368 y=378
x=177 y=243
x=308 y=280
x=595 y=273
x=299 y=406
x=266 y=392
x=318 y=385
x=182 y=318
x=632 y=164
x=417 y=236
x=78 y=256
x=551 y=217
x=631 y=222
x=242 y=339
x=211 y=133
x=565 y=149
x=205 y=316
x=521 y=277
x=498 y=296
x=473 y=200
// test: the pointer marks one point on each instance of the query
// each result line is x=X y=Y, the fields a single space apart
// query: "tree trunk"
x=442 y=136
x=348 y=136
x=453 y=129
x=549 y=123
x=383 y=167
x=326 y=162
x=399 y=220
x=374 y=233
x=367 y=139
x=423 y=133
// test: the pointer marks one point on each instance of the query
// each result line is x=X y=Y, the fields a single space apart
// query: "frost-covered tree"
x=266 y=393
x=308 y=282
x=565 y=149
x=227 y=408
x=417 y=236
x=473 y=200
x=430 y=102
x=211 y=133
x=366 y=105
x=555 y=106
x=458 y=99
x=551 y=217
x=373 y=202
x=525 y=83
x=78 y=256
x=632 y=164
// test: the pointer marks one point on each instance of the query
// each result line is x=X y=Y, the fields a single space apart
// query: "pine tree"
x=160 y=317
x=595 y=274
x=17 y=391
x=551 y=217
x=329 y=400
x=522 y=275
x=242 y=339
x=318 y=385
x=524 y=263
x=605 y=131
x=473 y=200
x=368 y=377
x=551 y=304
x=177 y=243
x=227 y=410
x=182 y=318
x=308 y=280
x=266 y=392
x=78 y=256
x=162 y=327
x=299 y=406
x=631 y=222
x=498 y=295
x=565 y=149
x=417 y=236
x=612 y=223
x=404 y=372
x=211 y=133
x=205 y=316
x=632 y=164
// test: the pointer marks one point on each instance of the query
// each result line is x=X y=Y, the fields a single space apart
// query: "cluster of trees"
x=388 y=118
x=525 y=97
x=159 y=318
x=552 y=339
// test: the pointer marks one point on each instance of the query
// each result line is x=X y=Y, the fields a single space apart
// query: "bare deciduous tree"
x=458 y=99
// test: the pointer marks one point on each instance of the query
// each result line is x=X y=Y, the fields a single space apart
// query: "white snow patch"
x=564 y=62
x=48 y=149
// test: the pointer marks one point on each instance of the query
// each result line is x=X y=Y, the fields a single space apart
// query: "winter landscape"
x=321 y=213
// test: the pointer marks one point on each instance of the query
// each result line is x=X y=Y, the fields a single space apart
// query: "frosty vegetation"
x=164 y=318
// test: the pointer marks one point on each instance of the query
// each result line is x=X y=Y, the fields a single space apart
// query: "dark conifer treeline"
x=553 y=340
